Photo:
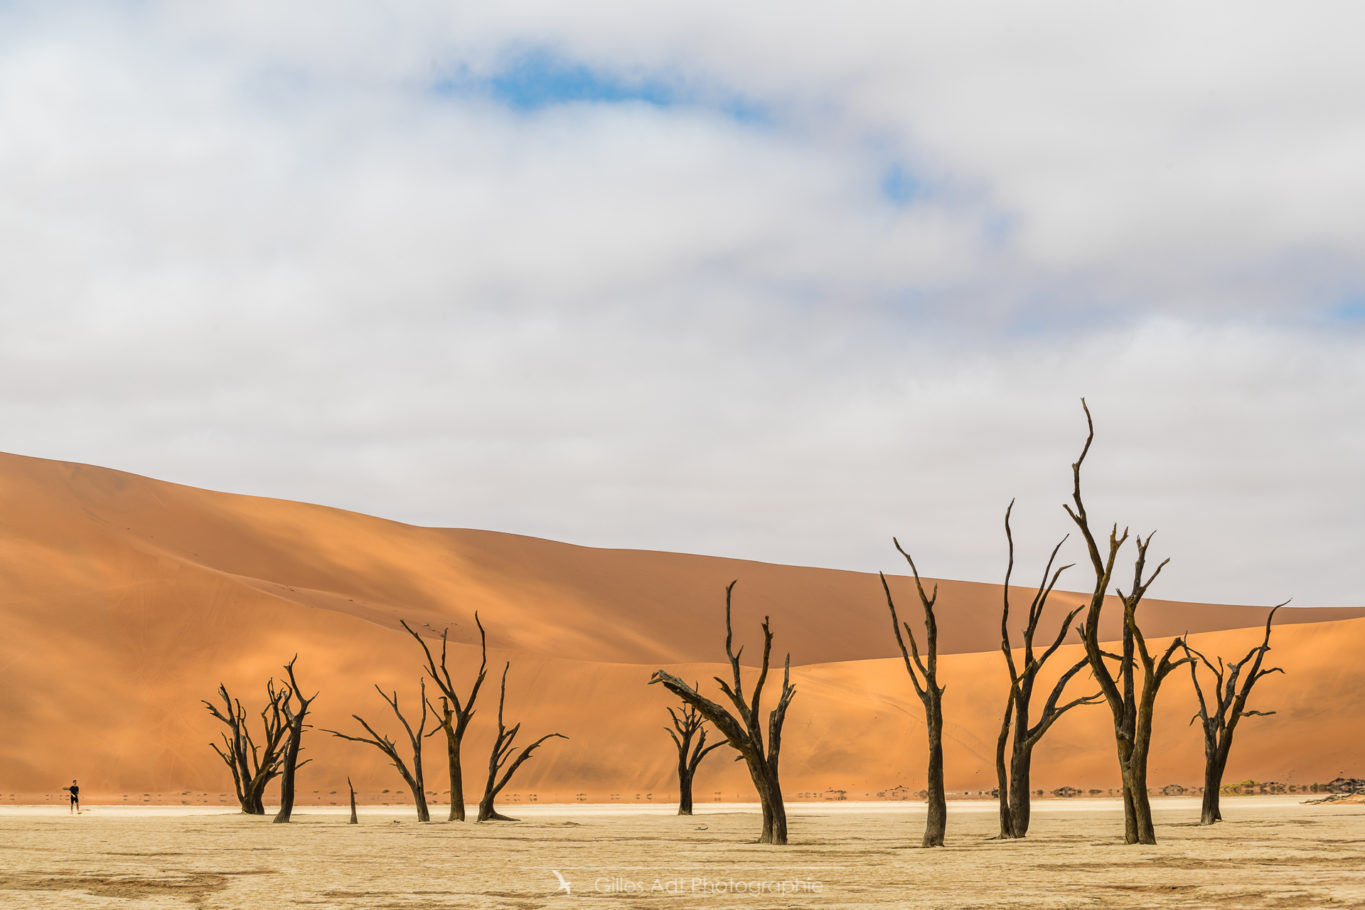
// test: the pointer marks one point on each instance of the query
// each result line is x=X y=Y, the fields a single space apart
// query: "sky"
x=766 y=280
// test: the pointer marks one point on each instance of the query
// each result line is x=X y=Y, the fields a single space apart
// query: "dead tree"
x=1019 y=733
x=687 y=724
x=924 y=675
x=412 y=775
x=354 y=819
x=1219 y=718
x=499 y=771
x=1131 y=707
x=743 y=729
x=454 y=713
x=294 y=715
x=253 y=765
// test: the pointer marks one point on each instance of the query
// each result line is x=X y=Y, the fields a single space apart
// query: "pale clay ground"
x=1271 y=852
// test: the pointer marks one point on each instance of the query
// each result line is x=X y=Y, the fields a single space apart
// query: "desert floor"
x=1270 y=852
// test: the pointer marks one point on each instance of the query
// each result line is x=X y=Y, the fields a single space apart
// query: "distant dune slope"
x=125 y=600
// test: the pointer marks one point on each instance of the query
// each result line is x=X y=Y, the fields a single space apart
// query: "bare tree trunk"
x=419 y=796
x=684 y=789
x=1020 y=796
x=687 y=726
x=937 y=824
x=743 y=729
x=487 y=812
x=290 y=772
x=413 y=777
x=295 y=716
x=1016 y=808
x=1130 y=809
x=256 y=802
x=454 y=714
x=1002 y=778
x=774 y=810
x=291 y=760
x=503 y=744
x=1142 y=802
x=924 y=677
x=252 y=767
x=1142 y=805
x=456 y=780
x=355 y=820
x=1132 y=711
x=1220 y=715
x=1210 y=811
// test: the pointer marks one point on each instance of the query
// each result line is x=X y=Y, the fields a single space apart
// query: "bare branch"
x=896 y=625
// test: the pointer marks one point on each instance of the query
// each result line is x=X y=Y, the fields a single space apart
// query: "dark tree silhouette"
x=412 y=776
x=1219 y=717
x=1132 y=708
x=454 y=713
x=1019 y=733
x=253 y=765
x=924 y=676
x=294 y=715
x=743 y=730
x=499 y=770
x=355 y=820
x=687 y=725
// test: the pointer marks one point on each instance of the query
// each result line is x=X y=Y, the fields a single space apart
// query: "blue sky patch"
x=1350 y=309
x=900 y=186
x=540 y=79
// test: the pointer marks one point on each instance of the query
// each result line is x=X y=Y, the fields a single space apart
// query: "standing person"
x=75 y=792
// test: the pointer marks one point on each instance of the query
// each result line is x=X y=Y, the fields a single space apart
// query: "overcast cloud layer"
x=767 y=282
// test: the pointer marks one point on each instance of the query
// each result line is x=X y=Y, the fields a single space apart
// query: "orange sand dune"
x=125 y=600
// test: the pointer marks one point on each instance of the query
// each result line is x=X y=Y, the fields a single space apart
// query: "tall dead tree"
x=1131 y=707
x=687 y=725
x=412 y=775
x=499 y=771
x=454 y=713
x=924 y=676
x=253 y=765
x=1019 y=733
x=743 y=729
x=1220 y=716
x=295 y=708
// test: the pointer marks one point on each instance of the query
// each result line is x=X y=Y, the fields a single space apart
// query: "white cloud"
x=248 y=247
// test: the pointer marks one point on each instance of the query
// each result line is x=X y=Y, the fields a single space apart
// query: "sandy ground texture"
x=1271 y=852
